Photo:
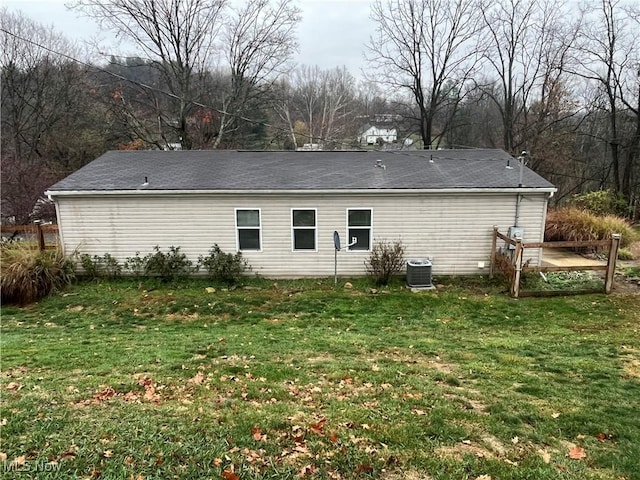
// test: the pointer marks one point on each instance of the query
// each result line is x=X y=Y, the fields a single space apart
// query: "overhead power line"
x=165 y=92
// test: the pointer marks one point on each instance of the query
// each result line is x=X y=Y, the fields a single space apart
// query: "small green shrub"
x=575 y=224
x=167 y=266
x=136 y=265
x=602 y=202
x=224 y=267
x=27 y=274
x=625 y=254
x=386 y=259
x=100 y=266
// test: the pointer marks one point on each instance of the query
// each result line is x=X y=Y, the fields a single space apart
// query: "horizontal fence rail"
x=513 y=266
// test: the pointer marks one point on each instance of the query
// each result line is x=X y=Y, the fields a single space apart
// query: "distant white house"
x=371 y=133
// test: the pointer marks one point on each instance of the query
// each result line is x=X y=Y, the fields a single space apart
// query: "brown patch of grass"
x=470 y=404
x=417 y=359
x=405 y=475
x=460 y=449
x=631 y=361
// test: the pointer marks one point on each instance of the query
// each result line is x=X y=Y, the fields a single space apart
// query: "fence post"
x=39 y=235
x=517 y=264
x=611 y=262
x=494 y=241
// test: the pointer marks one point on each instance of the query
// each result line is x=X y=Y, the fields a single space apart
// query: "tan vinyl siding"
x=454 y=230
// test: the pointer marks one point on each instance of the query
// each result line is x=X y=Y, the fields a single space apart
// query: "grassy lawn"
x=121 y=380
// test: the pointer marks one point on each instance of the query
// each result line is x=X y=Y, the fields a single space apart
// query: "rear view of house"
x=281 y=208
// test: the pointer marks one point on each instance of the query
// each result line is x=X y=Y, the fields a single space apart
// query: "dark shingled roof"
x=270 y=170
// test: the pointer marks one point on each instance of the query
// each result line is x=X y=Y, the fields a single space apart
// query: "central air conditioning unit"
x=419 y=273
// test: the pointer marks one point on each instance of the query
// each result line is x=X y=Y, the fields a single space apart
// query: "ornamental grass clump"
x=576 y=224
x=28 y=275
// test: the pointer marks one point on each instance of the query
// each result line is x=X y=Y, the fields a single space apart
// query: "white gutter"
x=377 y=191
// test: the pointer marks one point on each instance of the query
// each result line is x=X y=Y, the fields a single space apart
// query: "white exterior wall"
x=454 y=230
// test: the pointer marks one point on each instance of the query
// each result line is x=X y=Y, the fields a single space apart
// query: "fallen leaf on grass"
x=333 y=438
x=416 y=411
x=318 y=427
x=364 y=468
x=257 y=434
x=105 y=394
x=217 y=462
x=515 y=440
x=546 y=456
x=555 y=415
x=67 y=455
x=18 y=462
x=484 y=477
x=13 y=386
x=229 y=475
x=3 y=456
x=603 y=436
x=107 y=454
x=577 y=453
x=149 y=389
x=306 y=470
x=197 y=379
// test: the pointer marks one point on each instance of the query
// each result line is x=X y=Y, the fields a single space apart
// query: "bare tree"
x=259 y=40
x=425 y=47
x=527 y=49
x=42 y=96
x=610 y=62
x=177 y=36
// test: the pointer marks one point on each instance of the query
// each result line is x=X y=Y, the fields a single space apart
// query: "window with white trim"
x=303 y=229
x=248 y=229
x=359 y=228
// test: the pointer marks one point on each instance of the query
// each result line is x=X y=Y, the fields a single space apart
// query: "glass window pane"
x=304 y=218
x=249 y=239
x=362 y=238
x=359 y=218
x=248 y=218
x=304 y=239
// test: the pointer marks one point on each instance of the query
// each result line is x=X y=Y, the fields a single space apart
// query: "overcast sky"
x=332 y=33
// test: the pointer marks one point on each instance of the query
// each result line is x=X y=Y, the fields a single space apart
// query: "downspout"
x=519 y=196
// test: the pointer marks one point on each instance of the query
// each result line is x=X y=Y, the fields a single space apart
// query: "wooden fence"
x=513 y=266
x=43 y=237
